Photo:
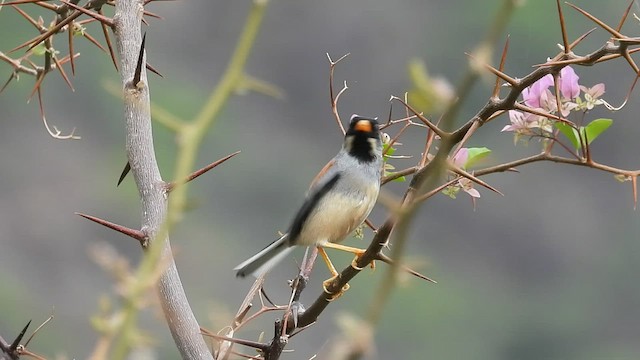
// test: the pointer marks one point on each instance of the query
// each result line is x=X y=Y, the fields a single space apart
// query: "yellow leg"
x=356 y=251
x=325 y=257
x=334 y=275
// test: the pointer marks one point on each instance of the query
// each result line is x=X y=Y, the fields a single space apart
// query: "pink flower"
x=461 y=157
x=467 y=186
x=533 y=93
x=548 y=101
x=592 y=95
x=527 y=124
x=568 y=82
x=521 y=123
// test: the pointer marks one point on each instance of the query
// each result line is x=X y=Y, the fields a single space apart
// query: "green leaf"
x=571 y=133
x=475 y=155
x=389 y=152
x=39 y=49
x=400 y=179
x=596 y=127
x=451 y=191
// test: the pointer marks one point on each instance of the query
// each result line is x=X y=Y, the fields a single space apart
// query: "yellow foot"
x=357 y=252
x=354 y=262
x=328 y=282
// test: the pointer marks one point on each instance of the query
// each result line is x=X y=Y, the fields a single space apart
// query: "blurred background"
x=546 y=272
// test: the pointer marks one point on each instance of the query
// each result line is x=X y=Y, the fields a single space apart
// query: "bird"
x=339 y=199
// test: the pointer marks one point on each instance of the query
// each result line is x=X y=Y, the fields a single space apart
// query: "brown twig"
x=334 y=99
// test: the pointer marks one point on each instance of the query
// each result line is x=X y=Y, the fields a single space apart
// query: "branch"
x=140 y=151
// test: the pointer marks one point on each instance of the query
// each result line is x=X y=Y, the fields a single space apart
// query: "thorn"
x=624 y=16
x=385 y=259
x=124 y=173
x=31 y=20
x=11 y=77
x=51 y=31
x=24 y=44
x=67 y=58
x=94 y=41
x=503 y=58
x=138 y=74
x=153 y=70
x=64 y=74
x=136 y=234
x=474 y=126
x=580 y=38
x=195 y=174
x=614 y=56
x=543 y=114
x=563 y=28
x=37 y=329
x=608 y=28
x=36 y=86
x=103 y=19
x=20 y=2
x=497 y=72
x=153 y=15
x=14 y=345
x=630 y=41
x=632 y=63
x=105 y=32
x=73 y=63
x=476 y=180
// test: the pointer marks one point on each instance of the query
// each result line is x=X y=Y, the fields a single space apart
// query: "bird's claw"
x=327 y=283
x=354 y=263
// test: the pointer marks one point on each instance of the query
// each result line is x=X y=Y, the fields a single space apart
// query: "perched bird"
x=339 y=200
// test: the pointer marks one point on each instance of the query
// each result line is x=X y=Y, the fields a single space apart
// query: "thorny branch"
x=65 y=18
x=429 y=170
x=426 y=174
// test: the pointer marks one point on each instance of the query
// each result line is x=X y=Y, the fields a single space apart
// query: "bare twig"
x=334 y=99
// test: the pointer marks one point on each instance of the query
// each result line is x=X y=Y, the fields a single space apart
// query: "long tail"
x=265 y=259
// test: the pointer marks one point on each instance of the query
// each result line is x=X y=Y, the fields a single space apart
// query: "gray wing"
x=310 y=203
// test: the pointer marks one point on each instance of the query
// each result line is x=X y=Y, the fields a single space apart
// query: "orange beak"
x=364 y=126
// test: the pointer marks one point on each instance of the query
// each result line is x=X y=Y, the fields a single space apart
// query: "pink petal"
x=569 y=87
x=515 y=116
x=460 y=158
x=596 y=90
x=531 y=95
x=472 y=192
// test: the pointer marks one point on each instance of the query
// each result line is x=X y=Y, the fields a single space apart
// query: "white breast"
x=337 y=215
